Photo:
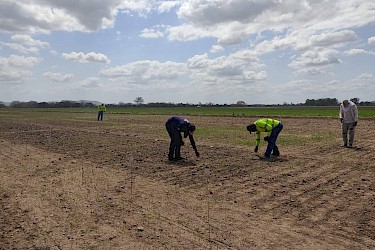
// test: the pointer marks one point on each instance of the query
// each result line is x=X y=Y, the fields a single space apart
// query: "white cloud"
x=187 y=32
x=20 y=48
x=142 y=7
x=29 y=41
x=333 y=39
x=36 y=16
x=216 y=48
x=252 y=17
x=366 y=76
x=25 y=44
x=79 y=15
x=151 y=33
x=58 y=77
x=14 y=69
x=277 y=43
x=207 y=13
x=364 y=82
x=371 y=40
x=352 y=52
x=146 y=72
x=316 y=58
x=84 y=58
x=91 y=82
x=166 y=6
x=241 y=67
x=19 y=61
x=312 y=88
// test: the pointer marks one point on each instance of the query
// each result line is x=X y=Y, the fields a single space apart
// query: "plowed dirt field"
x=71 y=182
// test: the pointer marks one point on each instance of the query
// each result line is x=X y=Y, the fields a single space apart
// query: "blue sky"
x=192 y=51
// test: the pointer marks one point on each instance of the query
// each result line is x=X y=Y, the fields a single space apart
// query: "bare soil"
x=83 y=184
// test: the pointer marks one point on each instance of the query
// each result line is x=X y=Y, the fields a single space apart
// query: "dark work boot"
x=170 y=157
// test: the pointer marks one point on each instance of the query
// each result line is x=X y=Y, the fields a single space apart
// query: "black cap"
x=191 y=127
x=251 y=128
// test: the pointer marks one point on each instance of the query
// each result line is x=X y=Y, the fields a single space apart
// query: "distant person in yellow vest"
x=349 y=120
x=272 y=128
x=101 y=110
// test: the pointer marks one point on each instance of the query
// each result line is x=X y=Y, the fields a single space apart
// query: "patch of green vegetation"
x=299 y=139
x=275 y=112
x=282 y=111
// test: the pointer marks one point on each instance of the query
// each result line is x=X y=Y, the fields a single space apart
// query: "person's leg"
x=345 y=127
x=272 y=141
x=275 y=150
x=171 y=145
x=98 y=115
x=177 y=145
x=351 y=134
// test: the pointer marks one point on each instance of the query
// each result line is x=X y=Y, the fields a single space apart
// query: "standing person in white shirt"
x=349 y=120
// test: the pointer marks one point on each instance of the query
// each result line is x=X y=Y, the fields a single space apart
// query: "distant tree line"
x=62 y=104
x=322 y=102
x=334 y=102
x=139 y=102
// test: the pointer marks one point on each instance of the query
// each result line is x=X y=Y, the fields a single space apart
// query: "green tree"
x=355 y=100
x=139 y=100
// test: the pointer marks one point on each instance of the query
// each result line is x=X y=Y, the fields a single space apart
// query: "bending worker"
x=272 y=128
x=101 y=110
x=175 y=126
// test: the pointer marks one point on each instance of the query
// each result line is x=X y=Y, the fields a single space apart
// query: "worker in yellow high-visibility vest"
x=101 y=110
x=272 y=128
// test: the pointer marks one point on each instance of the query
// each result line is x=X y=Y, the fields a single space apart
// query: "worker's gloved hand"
x=266 y=138
x=256 y=149
x=182 y=143
x=197 y=153
x=355 y=123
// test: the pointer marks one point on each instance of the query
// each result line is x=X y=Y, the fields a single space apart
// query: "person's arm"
x=355 y=114
x=341 y=115
x=257 y=141
x=257 y=138
x=192 y=142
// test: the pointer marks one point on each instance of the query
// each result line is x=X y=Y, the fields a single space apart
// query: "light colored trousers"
x=348 y=128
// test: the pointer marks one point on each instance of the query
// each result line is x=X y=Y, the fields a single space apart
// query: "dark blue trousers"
x=175 y=145
x=100 y=115
x=271 y=147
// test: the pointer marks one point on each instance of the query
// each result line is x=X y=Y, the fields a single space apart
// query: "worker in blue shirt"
x=175 y=126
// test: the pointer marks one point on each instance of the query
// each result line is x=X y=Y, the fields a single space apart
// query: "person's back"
x=266 y=124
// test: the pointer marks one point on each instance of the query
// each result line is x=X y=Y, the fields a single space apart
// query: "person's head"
x=345 y=103
x=251 y=128
x=191 y=128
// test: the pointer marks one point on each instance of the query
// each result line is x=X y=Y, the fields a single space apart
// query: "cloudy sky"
x=190 y=51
